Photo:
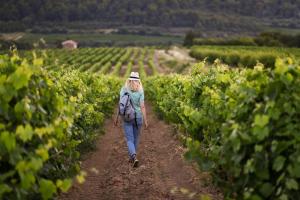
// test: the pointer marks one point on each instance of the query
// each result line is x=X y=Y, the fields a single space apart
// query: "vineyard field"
x=150 y=100
x=238 y=123
x=242 y=125
x=114 y=61
x=243 y=56
x=47 y=118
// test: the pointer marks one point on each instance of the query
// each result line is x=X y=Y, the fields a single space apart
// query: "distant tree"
x=220 y=15
x=189 y=38
x=277 y=39
x=298 y=40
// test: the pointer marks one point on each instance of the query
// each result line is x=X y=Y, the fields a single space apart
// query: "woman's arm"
x=117 y=112
x=143 y=108
x=116 y=118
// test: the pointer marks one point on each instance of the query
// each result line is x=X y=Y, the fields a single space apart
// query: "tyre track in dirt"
x=162 y=168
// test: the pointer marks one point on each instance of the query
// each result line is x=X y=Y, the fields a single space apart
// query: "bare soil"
x=161 y=69
x=135 y=68
x=176 y=53
x=123 y=70
x=11 y=36
x=162 y=174
x=148 y=70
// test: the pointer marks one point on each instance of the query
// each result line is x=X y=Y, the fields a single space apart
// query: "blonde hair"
x=134 y=85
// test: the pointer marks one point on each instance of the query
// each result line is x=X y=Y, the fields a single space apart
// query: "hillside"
x=219 y=15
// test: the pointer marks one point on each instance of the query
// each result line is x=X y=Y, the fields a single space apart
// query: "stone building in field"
x=69 y=44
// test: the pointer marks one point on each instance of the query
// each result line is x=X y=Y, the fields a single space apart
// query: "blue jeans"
x=132 y=132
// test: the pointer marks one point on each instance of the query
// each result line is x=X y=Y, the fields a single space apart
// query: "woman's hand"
x=116 y=123
x=146 y=125
x=144 y=115
x=116 y=119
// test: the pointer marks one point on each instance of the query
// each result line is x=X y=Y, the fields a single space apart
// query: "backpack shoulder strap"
x=131 y=102
x=126 y=92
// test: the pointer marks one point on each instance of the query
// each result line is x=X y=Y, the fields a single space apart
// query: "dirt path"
x=148 y=70
x=11 y=36
x=159 y=67
x=162 y=168
x=123 y=70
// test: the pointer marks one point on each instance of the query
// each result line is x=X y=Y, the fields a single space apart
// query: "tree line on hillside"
x=277 y=39
x=181 y=13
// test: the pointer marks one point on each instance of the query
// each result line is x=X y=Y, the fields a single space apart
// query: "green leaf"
x=280 y=67
x=263 y=174
x=223 y=78
x=4 y=189
x=38 y=62
x=47 y=188
x=81 y=177
x=2 y=126
x=279 y=163
x=22 y=166
x=249 y=167
x=280 y=178
x=280 y=146
x=19 y=110
x=6 y=175
x=44 y=130
x=64 y=185
x=260 y=132
x=2 y=79
x=24 y=133
x=36 y=163
x=274 y=113
x=43 y=152
x=9 y=140
x=284 y=197
x=294 y=171
x=291 y=184
x=27 y=180
x=204 y=197
x=258 y=148
x=255 y=197
x=289 y=77
x=261 y=120
x=266 y=189
x=20 y=77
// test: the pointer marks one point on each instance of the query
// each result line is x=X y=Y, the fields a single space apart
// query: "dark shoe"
x=130 y=160
x=135 y=162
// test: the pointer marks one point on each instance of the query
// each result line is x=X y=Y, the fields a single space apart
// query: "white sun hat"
x=134 y=76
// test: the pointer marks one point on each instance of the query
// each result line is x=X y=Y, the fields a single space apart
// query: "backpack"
x=126 y=108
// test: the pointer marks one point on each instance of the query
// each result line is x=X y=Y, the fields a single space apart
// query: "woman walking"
x=132 y=126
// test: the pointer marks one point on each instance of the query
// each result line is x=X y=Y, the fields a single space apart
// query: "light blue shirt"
x=137 y=98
